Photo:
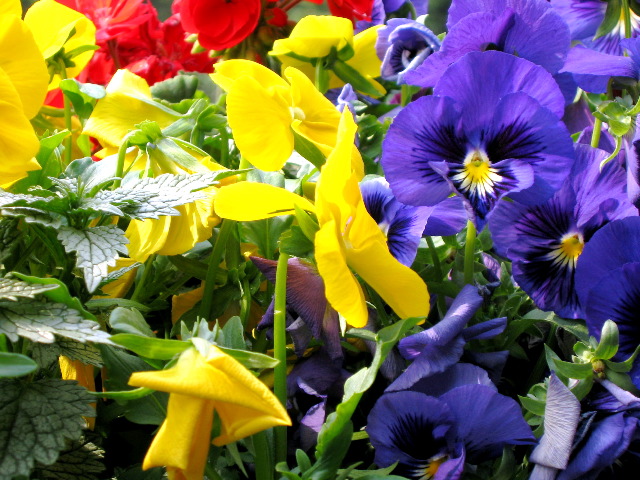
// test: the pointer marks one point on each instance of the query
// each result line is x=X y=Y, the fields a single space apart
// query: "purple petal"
x=485 y=330
x=447 y=218
x=592 y=69
x=487 y=421
x=456 y=376
x=561 y=417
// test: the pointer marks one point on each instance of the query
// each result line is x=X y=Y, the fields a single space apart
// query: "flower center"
x=569 y=249
x=297 y=113
x=433 y=464
x=477 y=177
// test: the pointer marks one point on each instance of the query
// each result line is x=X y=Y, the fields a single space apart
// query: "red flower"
x=220 y=24
x=351 y=9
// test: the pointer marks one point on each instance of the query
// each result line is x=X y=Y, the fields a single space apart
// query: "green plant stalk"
x=437 y=266
x=263 y=460
x=280 y=351
x=322 y=77
x=405 y=94
x=595 y=135
x=626 y=15
x=122 y=153
x=469 y=250
x=67 y=142
x=206 y=305
x=138 y=291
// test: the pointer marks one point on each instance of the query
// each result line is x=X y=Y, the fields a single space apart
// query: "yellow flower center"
x=477 y=177
x=297 y=113
x=569 y=249
x=432 y=467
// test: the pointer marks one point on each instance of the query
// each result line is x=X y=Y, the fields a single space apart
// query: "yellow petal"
x=402 y=288
x=226 y=73
x=146 y=237
x=260 y=120
x=18 y=142
x=239 y=396
x=182 y=443
x=22 y=61
x=181 y=304
x=56 y=26
x=246 y=201
x=81 y=373
x=110 y=121
x=119 y=287
x=314 y=36
x=341 y=288
x=13 y=7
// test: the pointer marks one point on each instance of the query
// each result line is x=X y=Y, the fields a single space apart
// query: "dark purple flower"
x=584 y=18
x=305 y=295
x=447 y=218
x=436 y=349
x=432 y=437
x=607 y=280
x=402 y=224
x=544 y=241
x=402 y=46
x=529 y=29
x=482 y=144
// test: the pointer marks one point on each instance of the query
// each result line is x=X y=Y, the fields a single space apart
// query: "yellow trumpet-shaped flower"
x=264 y=110
x=350 y=237
x=56 y=27
x=198 y=386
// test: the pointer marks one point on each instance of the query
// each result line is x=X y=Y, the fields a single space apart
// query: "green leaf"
x=46 y=354
x=9 y=237
x=41 y=321
x=348 y=74
x=96 y=249
x=308 y=150
x=16 y=365
x=251 y=359
x=625 y=366
x=11 y=289
x=37 y=419
x=134 y=394
x=155 y=348
x=108 y=303
x=568 y=369
x=609 y=339
x=175 y=89
x=611 y=18
x=295 y=243
x=233 y=331
x=60 y=294
x=124 y=320
x=81 y=459
x=534 y=405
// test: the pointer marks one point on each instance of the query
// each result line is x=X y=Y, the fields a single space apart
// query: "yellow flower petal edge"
x=247 y=201
x=227 y=72
x=12 y=7
x=22 y=61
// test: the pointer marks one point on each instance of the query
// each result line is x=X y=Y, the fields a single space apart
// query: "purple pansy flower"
x=436 y=349
x=432 y=435
x=402 y=46
x=402 y=224
x=506 y=139
x=544 y=241
x=607 y=283
x=529 y=29
x=584 y=18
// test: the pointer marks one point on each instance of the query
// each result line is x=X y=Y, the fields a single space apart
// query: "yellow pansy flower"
x=264 y=110
x=314 y=36
x=56 y=26
x=350 y=237
x=198 y=386
x=21 y=60
x=13 y=7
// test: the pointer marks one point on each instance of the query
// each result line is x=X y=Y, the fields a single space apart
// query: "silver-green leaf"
x=11 y=289
x=36 y=419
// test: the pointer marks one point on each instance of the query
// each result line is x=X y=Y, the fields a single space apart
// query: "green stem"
x=614 y=154
x=224 y=147
x=595 y=135
x=406 y=92
x=437 y=266
x=469 y=250
x=263 y=460
x=280 y=351
x=206 y=306
x=322 y=77
x=138 y=292
x=626 y=14
x=122 y=153
x=68 y=141
x=244 y=164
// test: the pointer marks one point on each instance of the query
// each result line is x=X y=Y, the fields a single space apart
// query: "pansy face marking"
x=567 y=251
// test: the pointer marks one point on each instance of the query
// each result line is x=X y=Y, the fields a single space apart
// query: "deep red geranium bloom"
x=220 y=24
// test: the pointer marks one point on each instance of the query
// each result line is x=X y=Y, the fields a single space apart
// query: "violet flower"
x=402 y=46
x=544 y=242
x=434 y=435
x=506 y=139
x=529 y=29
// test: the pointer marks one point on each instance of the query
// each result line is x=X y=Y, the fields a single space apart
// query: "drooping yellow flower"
x=264 y=110
x=360 y=53
x=350 y=237
x=198 y=386
x=56 y=27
